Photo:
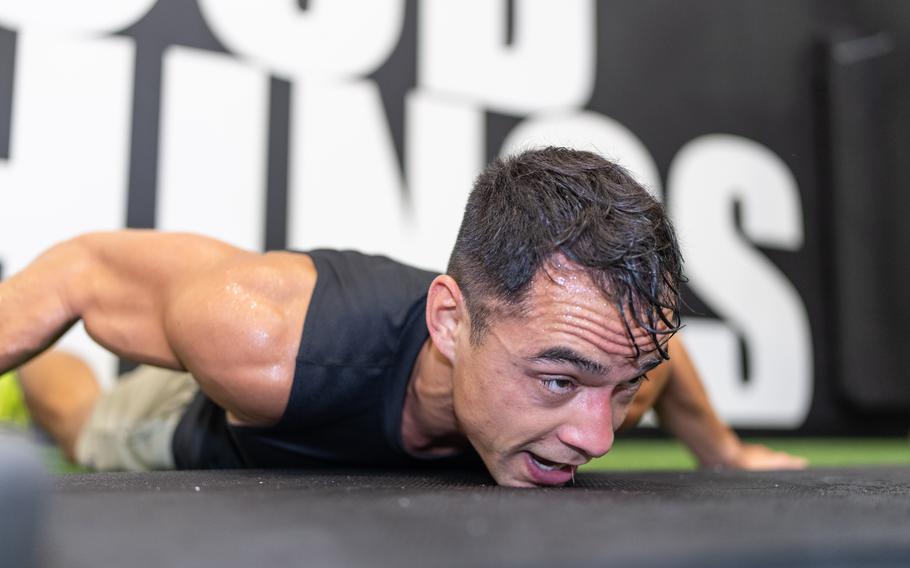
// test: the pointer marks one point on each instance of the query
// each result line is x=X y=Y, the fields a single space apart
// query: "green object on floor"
x=14 y=414
x=56 y=462
x=13 y=411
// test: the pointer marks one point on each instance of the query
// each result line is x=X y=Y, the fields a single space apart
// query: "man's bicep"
x=126 y=280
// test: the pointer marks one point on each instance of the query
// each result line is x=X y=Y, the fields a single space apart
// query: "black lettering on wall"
x=396 y=77
x=143 y=165
x=498 y=126
x=743 y=345
x=276 y=205
x=510 y=22
x=744 y=362
x=7 y=68
x=169 y=22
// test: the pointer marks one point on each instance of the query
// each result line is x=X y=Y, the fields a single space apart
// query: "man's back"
x=363 y=331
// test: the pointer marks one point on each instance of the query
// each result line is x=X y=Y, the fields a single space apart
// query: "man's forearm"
x=685 y=410
x=119 y=283
x=35 y=308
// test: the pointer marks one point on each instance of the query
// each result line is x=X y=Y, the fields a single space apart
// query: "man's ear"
x=446 y=315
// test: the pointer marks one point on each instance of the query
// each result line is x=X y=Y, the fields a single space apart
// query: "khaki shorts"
x=132 y=425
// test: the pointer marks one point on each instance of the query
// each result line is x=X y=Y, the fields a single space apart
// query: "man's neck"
x=428 y=424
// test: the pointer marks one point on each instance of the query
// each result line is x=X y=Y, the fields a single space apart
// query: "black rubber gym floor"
x=820 y=517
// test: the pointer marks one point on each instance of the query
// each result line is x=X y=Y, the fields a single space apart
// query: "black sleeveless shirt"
x=363 y=331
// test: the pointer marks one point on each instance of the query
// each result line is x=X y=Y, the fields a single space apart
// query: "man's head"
x=561 y=292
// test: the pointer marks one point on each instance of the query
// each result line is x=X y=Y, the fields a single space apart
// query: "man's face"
x=544 y=392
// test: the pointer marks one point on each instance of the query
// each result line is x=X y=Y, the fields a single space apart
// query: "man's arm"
x=684 y=409
x=231 y=317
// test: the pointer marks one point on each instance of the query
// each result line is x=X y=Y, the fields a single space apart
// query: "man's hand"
x=757 y=457
x=682 y=405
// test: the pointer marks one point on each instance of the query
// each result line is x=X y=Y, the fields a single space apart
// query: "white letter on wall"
x=344 y=178
x=84 y=17
x=340 y=38
x=444 y=141
x=551 y=64
x=706 y=178
x=212 y=147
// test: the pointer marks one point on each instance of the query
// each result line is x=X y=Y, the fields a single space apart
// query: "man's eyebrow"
x=566 y=355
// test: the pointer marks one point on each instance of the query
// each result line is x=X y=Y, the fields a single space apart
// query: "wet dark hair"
x=527 y=208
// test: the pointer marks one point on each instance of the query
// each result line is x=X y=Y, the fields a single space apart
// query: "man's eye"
x=558 y=386
x=637 y=381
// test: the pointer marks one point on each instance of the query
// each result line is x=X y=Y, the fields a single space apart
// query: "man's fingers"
x=758 y=457
x=793 y=462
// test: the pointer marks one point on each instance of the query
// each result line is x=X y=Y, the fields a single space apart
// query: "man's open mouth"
x=547 y=472
x=548 y=465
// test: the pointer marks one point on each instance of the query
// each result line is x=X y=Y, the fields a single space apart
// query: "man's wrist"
x=722 y=453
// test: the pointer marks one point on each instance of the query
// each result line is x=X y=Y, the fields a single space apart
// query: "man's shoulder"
x=377 y=277
x=363 y=307
x=356 y=260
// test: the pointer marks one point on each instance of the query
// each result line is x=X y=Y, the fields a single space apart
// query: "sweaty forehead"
x=564 y=300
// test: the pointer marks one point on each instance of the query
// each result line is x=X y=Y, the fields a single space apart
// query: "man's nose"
x=590 y=430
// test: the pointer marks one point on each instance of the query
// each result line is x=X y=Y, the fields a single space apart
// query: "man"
x=561 y=295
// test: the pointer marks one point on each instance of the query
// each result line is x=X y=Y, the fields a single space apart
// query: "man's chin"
x=509 y=477
x=525 y=483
